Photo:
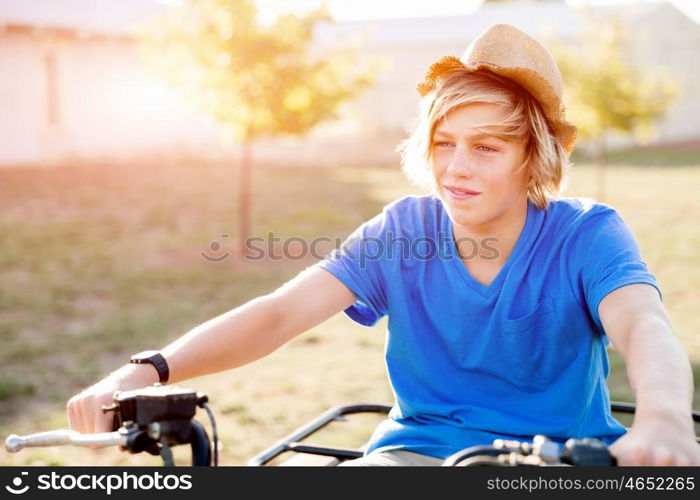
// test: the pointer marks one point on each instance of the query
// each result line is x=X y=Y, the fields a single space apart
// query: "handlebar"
x=151 y=419
x=542 y=451
x=155 y=418
x=15 y=443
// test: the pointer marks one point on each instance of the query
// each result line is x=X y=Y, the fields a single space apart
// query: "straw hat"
x=507 y=51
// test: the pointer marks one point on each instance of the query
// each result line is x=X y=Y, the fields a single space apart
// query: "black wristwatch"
x=156 y=359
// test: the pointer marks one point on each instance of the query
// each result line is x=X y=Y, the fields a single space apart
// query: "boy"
x=499 y=318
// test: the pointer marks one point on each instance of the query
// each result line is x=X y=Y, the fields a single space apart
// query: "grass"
x=98 y=263
x=687 y=156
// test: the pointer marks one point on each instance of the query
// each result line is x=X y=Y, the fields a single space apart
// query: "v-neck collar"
x=495 y=285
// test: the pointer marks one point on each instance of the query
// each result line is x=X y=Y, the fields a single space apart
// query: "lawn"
x=99 y=262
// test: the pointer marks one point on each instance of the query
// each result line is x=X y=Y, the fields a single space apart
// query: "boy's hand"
x=658 y=442
x=85 y=409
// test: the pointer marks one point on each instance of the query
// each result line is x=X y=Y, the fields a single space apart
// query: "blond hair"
x=545 y=157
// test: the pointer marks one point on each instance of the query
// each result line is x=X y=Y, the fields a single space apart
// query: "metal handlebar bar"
x=151 y=419
x=15 y=443
x=542 y=451
x=155 y=418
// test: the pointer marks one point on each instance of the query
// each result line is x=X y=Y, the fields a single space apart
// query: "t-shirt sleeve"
x=612 y=259
x=358 y=264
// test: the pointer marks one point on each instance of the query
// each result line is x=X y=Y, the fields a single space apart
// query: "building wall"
x=23 y=115
x=679 y=50
x=71 y=98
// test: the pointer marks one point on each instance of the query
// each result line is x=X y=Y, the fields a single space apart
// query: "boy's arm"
x=232 y=339
x=258 y=327
x=660 y=373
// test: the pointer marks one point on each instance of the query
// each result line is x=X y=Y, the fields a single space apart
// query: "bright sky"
x=346 y=10
x=373 y=9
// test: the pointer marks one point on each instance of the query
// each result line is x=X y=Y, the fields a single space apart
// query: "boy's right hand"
x=84 y=410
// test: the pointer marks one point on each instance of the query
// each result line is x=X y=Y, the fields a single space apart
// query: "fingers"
x=688 y=457
x=629 y=453
x=75 y=417
x=85 y=409
x=684 y=456
x=102 y=422
x=85 y=413
x=656 y=456
x=70 y=414
x=631 y=457
x=663 y=456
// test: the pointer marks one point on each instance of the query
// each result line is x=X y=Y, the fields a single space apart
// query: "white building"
x=73 y=87
x=661 y=36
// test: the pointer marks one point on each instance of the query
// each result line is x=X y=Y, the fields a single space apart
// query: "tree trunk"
x=601 y=168
x=244 y=196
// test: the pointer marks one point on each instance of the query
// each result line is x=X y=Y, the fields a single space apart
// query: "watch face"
x=143 y=355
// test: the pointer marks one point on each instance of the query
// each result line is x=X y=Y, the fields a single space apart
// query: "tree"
x=255 y=79
x=606 y=91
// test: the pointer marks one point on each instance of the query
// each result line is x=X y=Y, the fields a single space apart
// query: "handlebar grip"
x=587 y=452
x=15 y=443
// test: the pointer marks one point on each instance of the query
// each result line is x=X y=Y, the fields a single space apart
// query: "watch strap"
x=158 y=362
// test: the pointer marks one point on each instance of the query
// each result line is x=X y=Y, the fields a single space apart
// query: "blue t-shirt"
x=470 y=363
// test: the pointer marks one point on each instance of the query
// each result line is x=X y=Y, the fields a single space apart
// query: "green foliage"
x=255 y=79
x=605 y=89
x=11 y=388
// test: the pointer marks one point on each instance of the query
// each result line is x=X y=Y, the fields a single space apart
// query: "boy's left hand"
x=657 y=442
